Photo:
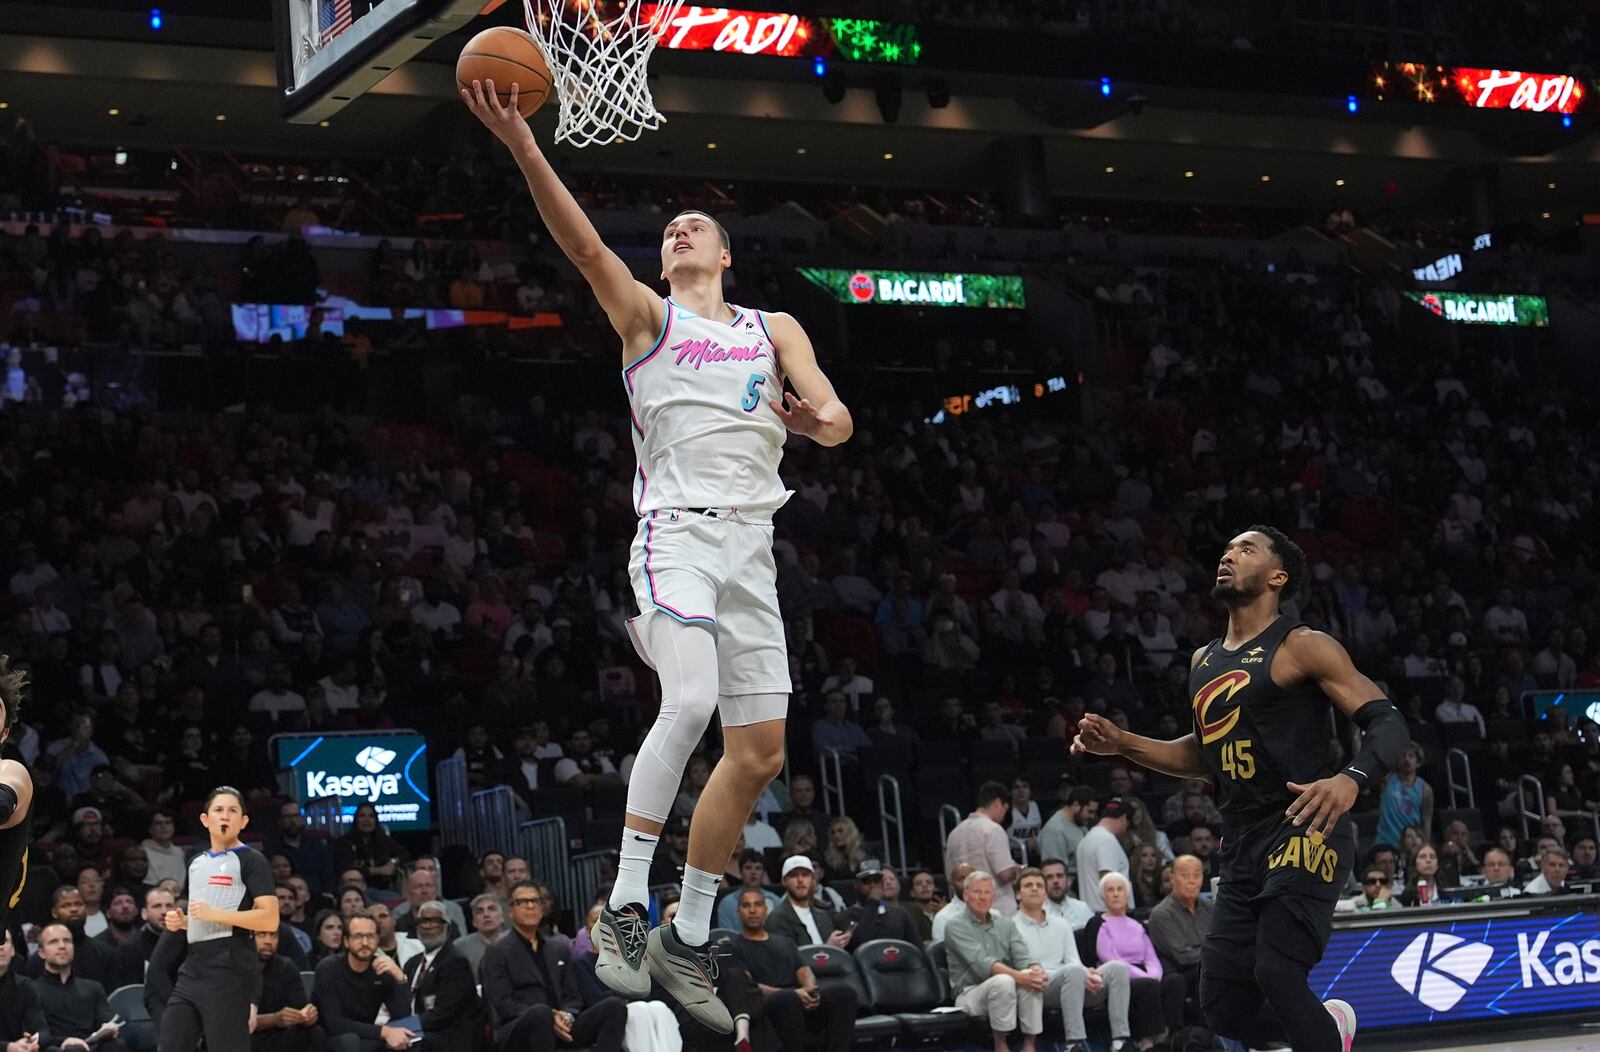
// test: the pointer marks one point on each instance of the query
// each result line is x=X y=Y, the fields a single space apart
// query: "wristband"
x=1359 y=777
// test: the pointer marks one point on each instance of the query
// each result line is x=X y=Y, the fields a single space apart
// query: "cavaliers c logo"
x=1227 y=685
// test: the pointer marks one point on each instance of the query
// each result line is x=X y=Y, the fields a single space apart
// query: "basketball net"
x=598 y=62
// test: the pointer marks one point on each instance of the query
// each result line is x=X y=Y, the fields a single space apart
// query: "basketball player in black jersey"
x=1260 y=696
x=16 y=798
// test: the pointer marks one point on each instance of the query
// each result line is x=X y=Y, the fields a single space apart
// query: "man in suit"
x=532 y=993
x=799 y=917
x=286 y=1020
x=444 y=994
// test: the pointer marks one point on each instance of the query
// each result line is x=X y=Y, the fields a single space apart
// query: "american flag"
x=333 y=18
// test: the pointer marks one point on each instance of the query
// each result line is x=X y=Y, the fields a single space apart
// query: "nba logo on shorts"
x=1438 y=969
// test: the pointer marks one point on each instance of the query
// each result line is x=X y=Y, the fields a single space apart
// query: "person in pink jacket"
x=1157 y=997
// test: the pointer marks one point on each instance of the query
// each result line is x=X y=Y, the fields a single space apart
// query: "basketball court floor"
x=1577 y=1039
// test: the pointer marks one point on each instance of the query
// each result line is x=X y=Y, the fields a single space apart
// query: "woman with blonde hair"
x=799 y=838
x=845 y=852
x=1143 y=831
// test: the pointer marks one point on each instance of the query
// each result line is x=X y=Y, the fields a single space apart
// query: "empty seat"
x=900 y=980
x=941 y=967
x=833 y=965
x=128 y=1002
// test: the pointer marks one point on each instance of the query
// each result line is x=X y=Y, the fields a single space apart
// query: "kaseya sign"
x=1421 y=971
x=386 y=769
x=919 y=289
x=1470 y=308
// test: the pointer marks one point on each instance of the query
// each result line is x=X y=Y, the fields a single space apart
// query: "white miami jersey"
x=704 y=434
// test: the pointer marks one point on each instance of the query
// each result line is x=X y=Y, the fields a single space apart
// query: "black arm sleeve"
x=1383 y=741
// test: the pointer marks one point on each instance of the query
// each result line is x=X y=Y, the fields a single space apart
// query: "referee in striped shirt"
x=230 y=896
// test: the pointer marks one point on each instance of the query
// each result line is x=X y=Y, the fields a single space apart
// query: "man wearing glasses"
x=1375 y=891
x=532 y=992
x=444 y=995
x=350 y=989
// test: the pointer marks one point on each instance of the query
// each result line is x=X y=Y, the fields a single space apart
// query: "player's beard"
x=1238 y=590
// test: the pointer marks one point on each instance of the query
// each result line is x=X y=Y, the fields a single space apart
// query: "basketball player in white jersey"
x=705 y=384
x=230 y=896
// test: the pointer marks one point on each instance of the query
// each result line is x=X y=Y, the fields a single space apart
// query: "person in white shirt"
x=1456 y=709
x=1053 y=944
x=276 y=699
x=958 y=879
x=1010 y=590
x=340 y=690
x=1058 y=895
x=759 y=836
x=1100 y=851
x=1159 y=643
x=1025 y=820
x=848 y=681
x=436 y=614
x=1097 y=619
x=1553 y=868
x=1504 y=622
x=32 y=574
x=45 y=618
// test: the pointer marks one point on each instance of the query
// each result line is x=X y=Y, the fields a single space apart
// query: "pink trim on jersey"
x=650 y=582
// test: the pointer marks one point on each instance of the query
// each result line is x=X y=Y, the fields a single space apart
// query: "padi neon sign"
x=694 y=27
x=919 y=289
x=1465 y=308
x=1482 y=89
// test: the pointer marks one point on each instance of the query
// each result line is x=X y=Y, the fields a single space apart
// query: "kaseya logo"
x=1438 y=969
x=373 y=759
x=370 y=786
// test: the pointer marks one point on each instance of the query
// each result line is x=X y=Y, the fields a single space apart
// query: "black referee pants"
x=212 y=999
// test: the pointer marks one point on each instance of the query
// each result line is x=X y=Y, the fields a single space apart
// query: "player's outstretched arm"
x=16 y=793
x=1319 y=658
x=1180 y=758
x=817 y=412
x=634 y=309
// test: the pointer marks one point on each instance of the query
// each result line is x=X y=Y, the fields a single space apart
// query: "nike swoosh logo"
x=645 y=839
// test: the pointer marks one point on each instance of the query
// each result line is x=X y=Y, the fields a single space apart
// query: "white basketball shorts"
x=714 y=568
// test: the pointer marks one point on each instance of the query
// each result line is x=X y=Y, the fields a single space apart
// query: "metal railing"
x=891 y=816
x=544 y=844
x=832 y=782
x=950 y=816
x=493 y=819
x=585 y=874
x=1463 y=787
x=1524 y=812
x=450 y=800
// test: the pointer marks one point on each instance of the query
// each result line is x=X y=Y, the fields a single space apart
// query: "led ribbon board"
x=1467 y=308
x=781 y=35
x=919 y=289
x=1481 y=89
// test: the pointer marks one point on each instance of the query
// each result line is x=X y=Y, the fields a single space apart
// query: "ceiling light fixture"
x=222 y=116
x=711 y=146
x=1110 y=168
x=1338 y=182
x=1266 y=178
x=1188 y=175
x=888 y=156
x=112 y=112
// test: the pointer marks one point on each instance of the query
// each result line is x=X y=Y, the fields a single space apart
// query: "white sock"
x=633 y=868
x=693 y=923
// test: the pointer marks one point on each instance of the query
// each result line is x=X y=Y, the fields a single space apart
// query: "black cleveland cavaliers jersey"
x=13 y=867
x=1255 y=734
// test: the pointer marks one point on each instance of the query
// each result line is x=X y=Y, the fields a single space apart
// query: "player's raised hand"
x=1097 y=735
x=508 y=125
x=1321 y=804
x=800 y=415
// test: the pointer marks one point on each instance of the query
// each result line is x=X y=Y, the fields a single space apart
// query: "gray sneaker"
x=620 y=936
x=689 y=974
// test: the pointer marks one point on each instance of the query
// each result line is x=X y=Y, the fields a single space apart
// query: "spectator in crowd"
x=798 y=916
x=1179 y=922
x=992 y=972
x=1422 y=869
x=133 y=953
x=696 y=775
x=92 y=960
x=532 y=995
x=422 y=885
x=488 y=925
x=980 y=841
x=790 y=1001
x=953 y=908
x=1554 y=864
x=1052 y=942
x=1100 y=851
x=308 y=855
x=1025 y=821
x=1456 y=857
x=583 y=765
x=803 y=806
x=875 y=914
x=1584 y=865
x=845 y=851
x=92 y=888
x=22 y=1018
x=759 y=836
x=1456 y=710
x=836 y=731
x=369 y=848
x=167 y=861
x=444 y=993
x=492 y=875
x=122 y=916
x=292 y=942
x=926 y=902
x=396 y=944
x=1058 y=892
x=350 y=989
x=1375 y=892
x=1406 y=799
x=327 y=935
x=1060 y=836
x=752 y=875
x=1120 y=937
x=286 y=1020
x=75 y=1008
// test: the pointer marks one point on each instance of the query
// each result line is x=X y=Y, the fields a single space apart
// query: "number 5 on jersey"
x=1237 y=763
x=752 y=392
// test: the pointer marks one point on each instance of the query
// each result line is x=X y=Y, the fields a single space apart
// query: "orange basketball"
x=506 y=56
